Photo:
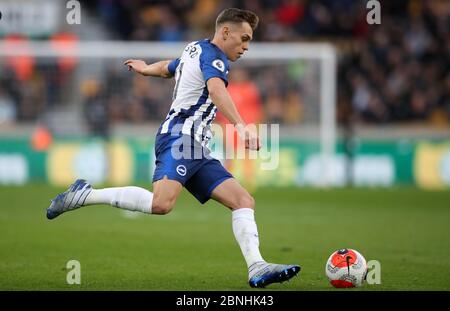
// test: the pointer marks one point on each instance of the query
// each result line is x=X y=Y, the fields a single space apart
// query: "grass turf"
x=407 y=230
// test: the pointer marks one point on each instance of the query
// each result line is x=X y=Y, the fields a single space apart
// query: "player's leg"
x=160 y=201
x=131 y=198
x=212 y=180
x=167 y=186
x=81 y=193
x=166 y=192
x=231 y=194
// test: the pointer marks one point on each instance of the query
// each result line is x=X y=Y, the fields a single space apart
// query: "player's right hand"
x=136 y=65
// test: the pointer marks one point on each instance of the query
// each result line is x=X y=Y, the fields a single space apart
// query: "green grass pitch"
x=407 y=230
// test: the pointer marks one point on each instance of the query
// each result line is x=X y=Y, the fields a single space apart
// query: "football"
x=346 y=268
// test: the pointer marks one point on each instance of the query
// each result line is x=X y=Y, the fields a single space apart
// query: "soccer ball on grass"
x=346 y=268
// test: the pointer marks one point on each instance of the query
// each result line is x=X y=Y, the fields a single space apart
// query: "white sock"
x=246 y=233
x=130 y=198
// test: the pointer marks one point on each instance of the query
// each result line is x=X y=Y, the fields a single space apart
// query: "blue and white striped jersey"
x=192 y=111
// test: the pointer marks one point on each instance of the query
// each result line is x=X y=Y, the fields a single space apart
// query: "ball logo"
x=181 y=170
x=219 y=65
x=344 y=258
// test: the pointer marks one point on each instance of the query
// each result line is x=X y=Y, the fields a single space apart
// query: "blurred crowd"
x=394 y=72
x=125 y=96
x=30 y=86
x=401 y=70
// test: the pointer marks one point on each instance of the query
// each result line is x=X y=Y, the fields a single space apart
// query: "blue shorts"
x=183 y=159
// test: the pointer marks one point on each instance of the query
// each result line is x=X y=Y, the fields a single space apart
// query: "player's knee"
x=246 y=201
x=162 y=207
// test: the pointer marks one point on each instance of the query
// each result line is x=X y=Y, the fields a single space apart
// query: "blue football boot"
x=269 y=273
x=69 y=200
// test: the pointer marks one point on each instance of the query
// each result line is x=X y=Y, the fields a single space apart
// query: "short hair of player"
x=235 y=15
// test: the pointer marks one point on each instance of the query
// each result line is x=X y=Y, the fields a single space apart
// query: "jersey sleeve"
x=213 y=65
x=173 y=66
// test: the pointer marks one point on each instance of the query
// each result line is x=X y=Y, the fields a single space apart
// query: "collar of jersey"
x=216 y=47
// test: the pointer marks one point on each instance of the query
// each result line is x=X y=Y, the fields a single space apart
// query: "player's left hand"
x=253 y=143
x=250 y=136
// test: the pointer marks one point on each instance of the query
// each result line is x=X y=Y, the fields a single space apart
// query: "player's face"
x=238 y=40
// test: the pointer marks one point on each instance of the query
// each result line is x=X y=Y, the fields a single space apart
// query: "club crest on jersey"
x=217 y=63
x=181 y=170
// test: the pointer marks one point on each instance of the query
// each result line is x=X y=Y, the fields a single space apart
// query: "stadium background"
x=64 y=117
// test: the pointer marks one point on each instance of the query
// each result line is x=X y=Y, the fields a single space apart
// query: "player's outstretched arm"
x=223 y=101
x=158 y=69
